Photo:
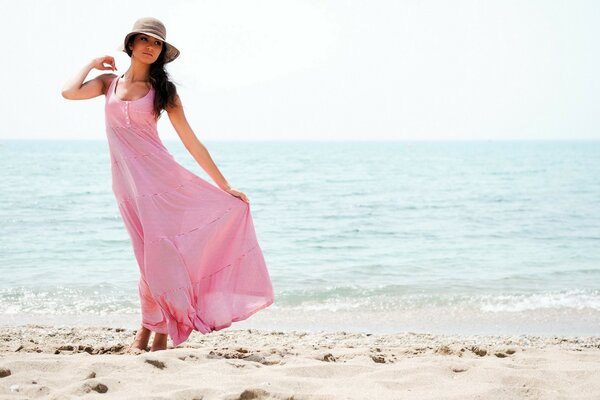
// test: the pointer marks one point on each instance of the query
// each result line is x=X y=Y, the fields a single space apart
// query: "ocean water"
x=488 y=237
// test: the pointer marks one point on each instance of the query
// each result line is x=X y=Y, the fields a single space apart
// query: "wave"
x=403 y=298
x=107 y=298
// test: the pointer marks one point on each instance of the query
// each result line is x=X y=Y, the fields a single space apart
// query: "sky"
x=320 y=70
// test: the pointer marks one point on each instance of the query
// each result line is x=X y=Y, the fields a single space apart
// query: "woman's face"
x=146 y=48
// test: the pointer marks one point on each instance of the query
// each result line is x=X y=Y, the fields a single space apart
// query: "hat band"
x=152 y=32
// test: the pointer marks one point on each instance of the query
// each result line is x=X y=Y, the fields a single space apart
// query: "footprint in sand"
x=95 y=386
x=250 y=394
x=158 y=364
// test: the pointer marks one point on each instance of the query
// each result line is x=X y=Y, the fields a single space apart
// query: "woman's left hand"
x=237 y=193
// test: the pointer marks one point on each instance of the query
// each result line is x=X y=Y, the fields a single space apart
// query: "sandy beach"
x=38 y=361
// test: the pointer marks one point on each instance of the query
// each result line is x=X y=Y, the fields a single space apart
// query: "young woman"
x=201 y=267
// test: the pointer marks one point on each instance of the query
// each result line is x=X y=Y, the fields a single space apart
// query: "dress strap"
x=116 y=83
x=110 y=87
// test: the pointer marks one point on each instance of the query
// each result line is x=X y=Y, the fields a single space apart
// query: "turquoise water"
x=444 y=237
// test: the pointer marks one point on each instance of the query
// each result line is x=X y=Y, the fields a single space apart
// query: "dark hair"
x=164 y=89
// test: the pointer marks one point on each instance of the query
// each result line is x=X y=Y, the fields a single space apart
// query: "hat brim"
x=172 y=51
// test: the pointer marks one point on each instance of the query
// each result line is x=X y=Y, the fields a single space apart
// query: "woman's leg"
x=141 y=340
x=159 y=342
x=152 y=316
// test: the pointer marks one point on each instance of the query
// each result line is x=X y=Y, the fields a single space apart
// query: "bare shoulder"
x=106 y=80
x=176 y=106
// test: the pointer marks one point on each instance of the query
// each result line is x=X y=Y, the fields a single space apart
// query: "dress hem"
x=236 y=319
x=182 y=329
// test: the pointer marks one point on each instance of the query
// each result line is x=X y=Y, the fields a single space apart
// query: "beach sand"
x=38 y=361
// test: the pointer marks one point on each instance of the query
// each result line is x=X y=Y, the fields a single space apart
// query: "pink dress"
x=201 y=267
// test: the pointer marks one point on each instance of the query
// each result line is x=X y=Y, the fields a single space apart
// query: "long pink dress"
x=201 y=267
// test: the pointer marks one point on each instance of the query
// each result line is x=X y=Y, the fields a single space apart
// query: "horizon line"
x=330 y=140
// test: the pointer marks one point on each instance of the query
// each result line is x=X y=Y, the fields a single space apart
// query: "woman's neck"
x=137 y=72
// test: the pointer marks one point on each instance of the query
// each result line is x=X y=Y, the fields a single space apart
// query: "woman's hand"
x=104 y=63
x=237 y=193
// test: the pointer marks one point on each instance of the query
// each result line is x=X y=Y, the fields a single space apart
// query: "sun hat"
x=152 y=27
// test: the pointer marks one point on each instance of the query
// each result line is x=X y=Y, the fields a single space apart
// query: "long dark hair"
x=164 y=89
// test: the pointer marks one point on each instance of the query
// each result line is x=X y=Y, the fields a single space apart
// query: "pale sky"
x=311 y=69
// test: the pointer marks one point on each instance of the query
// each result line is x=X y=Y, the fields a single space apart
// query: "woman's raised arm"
x=75 y=89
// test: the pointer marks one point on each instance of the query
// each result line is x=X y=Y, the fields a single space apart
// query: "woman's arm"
x=75 y=89
x=197 y=149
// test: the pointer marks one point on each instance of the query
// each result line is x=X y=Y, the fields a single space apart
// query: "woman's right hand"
x=104 y=63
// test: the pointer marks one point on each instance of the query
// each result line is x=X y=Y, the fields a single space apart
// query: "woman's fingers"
x=109 y=66
x=241 y=195
x=105 y=63
x=110 y=61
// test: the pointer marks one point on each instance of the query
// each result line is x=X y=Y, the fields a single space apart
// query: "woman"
x=201 y=267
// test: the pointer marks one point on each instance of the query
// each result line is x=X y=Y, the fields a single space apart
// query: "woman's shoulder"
x=106 y=80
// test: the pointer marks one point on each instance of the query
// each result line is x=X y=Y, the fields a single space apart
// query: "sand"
x=38 y=361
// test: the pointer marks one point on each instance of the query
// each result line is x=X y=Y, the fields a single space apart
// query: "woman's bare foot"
x=159 y=342
x=140 y=343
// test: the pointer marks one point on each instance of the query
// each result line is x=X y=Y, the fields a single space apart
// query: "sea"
x=491 y=237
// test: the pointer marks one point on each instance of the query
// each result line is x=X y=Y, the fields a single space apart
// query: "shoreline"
x=53 y=336
x=437 y=321
x=273 y=364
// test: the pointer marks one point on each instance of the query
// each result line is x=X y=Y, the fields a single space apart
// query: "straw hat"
x=152 y=27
